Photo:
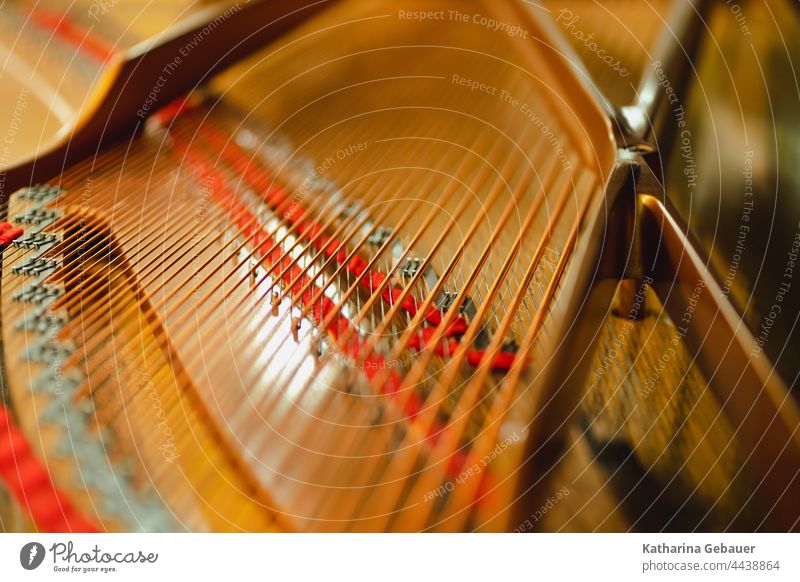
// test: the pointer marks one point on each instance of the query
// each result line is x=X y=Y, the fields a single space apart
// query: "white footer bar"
x=407 y=558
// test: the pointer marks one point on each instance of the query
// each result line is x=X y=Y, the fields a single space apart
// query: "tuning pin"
x=316 y=347
x=296 y=329
x=276 y=302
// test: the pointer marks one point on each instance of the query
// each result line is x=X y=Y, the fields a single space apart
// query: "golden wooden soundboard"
x=401 y=269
